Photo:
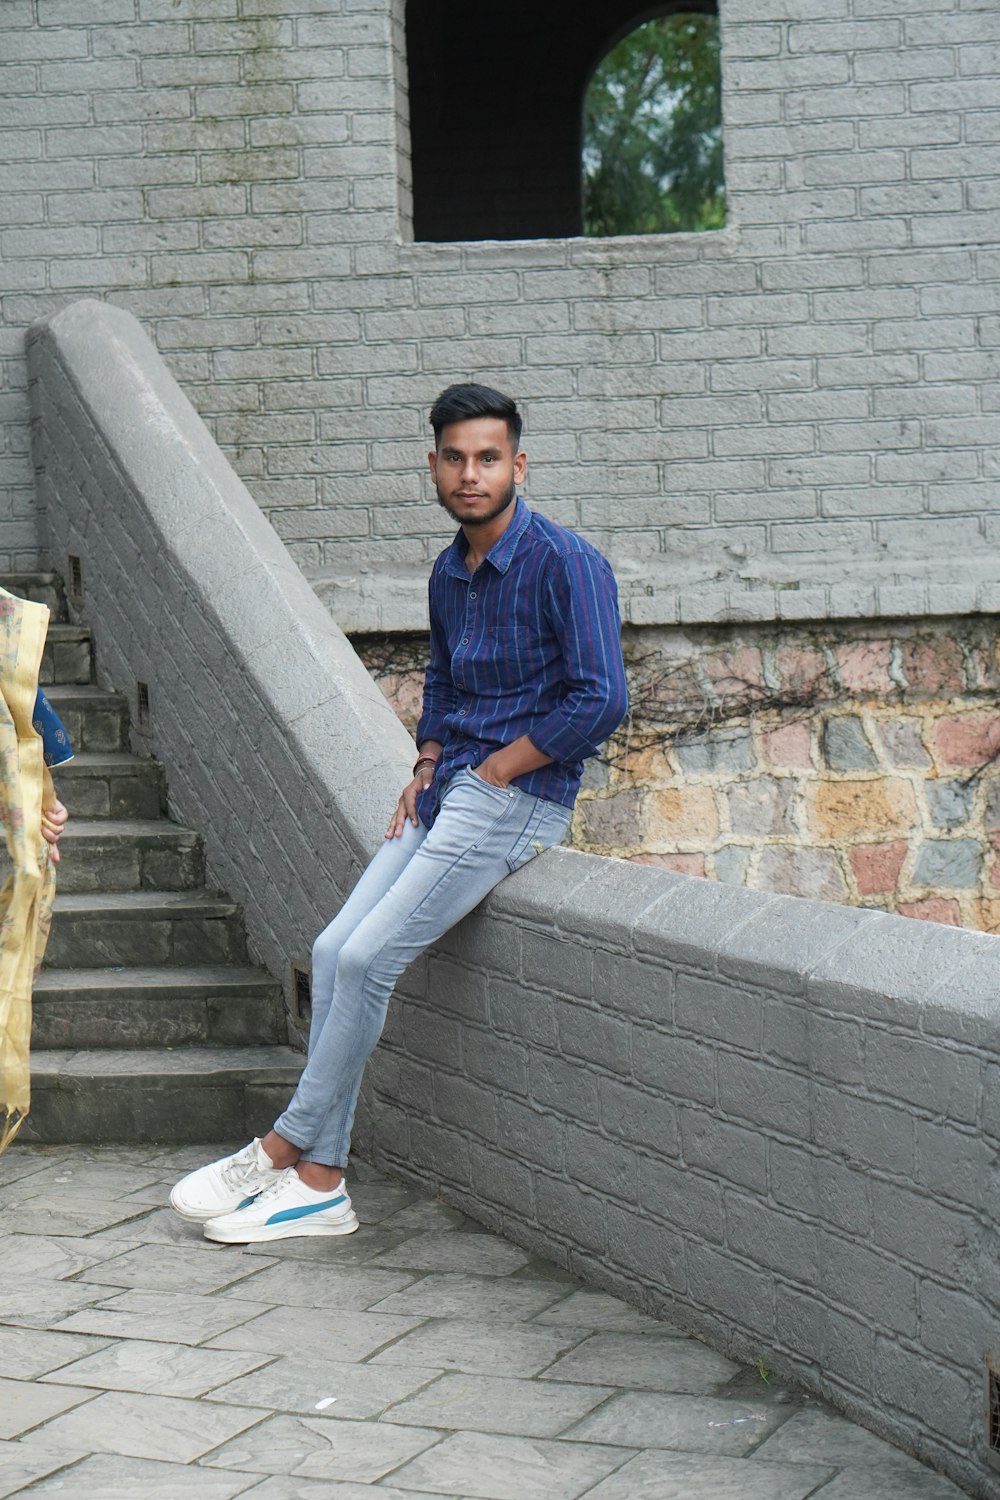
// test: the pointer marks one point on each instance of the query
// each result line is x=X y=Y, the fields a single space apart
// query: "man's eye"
x=489 y=458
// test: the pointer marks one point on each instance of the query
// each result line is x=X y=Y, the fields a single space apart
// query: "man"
x=525 y=680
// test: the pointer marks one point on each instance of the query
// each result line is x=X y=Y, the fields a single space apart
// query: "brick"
x=719 y=750
x=675 y=1066
x=602 y=1164
x=774 y=1099
x=967 y=740
x=710 y=1009
x=684 y=1199
x=950 y=802
x=845 y=746
x=948 y=863
x=740 y=1294
x=725 y=1150
x=846 y=809
x=533 y=1136
x=877 y=866
x=680 y=813
x=564 y=1087
x=788 y=746
x=814 y=873
x=932 y=909
x=602 y=1040
x=762 y=806
x=824 y=1189
x=818 y=1332
x=639 y=1118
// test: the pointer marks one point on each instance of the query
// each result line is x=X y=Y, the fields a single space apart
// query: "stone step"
x=111 y=854
x=111 y=785
x=67 y=656
x=99 y=929
x=215 y=1005
x=95 y=720
x=43 y=588
x=187 y=1094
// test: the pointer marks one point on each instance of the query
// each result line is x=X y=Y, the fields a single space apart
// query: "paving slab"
x=52 y=1257
x=314 y=1449
x=25 y=1404
x=170 y=1317
x=301 y=1285
x=21 y=1465
x=497 y=1467
x=603 y=1313
x=482 y=1348
x=483 y=1254
x=157 y=1369
x=108 y=1476
x=691 y=1424
x=173 y=1268
x=633 y=1360
x=451 y=1294
x=484 y=1403
x=140 y=1426
x=328 y=1386
x=418 y=1359
x=350 y=1336
x=28 y=1353
x=677 y=1476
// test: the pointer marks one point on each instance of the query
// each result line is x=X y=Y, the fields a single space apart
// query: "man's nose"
x=470 y=470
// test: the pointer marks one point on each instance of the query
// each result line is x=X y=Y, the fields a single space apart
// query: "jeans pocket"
x=544 y=829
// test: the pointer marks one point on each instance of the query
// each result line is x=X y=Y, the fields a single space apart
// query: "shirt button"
x=472 y=594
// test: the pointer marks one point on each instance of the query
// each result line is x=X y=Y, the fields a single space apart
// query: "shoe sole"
x=292 y=1229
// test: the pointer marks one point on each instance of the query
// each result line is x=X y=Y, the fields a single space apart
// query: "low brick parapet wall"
x=774 y=1119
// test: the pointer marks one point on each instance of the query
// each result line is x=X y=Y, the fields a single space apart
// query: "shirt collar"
x=501 y=554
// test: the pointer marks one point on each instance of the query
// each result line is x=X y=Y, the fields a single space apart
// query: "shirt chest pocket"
x=514 y=654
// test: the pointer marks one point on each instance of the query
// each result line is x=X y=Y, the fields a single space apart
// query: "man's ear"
x=432 y=462
x=520 y=466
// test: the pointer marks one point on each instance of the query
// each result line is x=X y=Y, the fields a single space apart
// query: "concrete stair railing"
x=149 y=1023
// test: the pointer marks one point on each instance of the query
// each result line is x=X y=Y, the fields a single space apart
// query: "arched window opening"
x=652 y=131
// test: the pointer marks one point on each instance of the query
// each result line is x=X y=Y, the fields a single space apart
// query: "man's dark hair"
x=460 y=403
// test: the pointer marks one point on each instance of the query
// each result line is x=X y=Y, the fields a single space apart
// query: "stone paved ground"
x=420 y=1357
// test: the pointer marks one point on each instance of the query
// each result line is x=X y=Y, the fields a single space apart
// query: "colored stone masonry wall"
x=858 y=764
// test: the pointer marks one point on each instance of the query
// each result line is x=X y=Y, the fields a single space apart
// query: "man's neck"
x=482 y=539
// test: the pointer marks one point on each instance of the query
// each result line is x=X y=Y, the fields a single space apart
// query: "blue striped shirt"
x=528 y=644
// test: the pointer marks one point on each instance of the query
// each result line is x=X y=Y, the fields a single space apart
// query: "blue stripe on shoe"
x=301 y=1213
x=246 y=1203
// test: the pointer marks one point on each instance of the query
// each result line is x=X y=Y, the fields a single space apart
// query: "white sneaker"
x=224 y=1185
x=287 y=1208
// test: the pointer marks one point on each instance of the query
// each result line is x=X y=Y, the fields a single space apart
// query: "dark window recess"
x=496 y=111
x=75 y=580
x=142 y=718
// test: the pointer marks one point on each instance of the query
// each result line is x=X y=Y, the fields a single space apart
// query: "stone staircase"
x=149 y=1022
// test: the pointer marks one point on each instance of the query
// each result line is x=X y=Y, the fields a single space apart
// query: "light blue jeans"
x=415 y=889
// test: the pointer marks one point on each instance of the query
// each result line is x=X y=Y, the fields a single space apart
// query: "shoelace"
x=275 y=1187
x=237 y=1173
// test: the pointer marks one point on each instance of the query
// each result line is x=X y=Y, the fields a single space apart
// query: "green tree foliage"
x=652 y=143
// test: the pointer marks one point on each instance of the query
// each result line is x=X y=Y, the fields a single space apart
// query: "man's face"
x=476 y=470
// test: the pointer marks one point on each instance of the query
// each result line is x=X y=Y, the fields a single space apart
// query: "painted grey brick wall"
x=793 y=417
x=775 y=1119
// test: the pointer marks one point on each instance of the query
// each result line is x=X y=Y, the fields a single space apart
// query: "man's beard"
x=506 y=499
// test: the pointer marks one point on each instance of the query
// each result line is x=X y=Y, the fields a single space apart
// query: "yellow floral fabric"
x=27 y=895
